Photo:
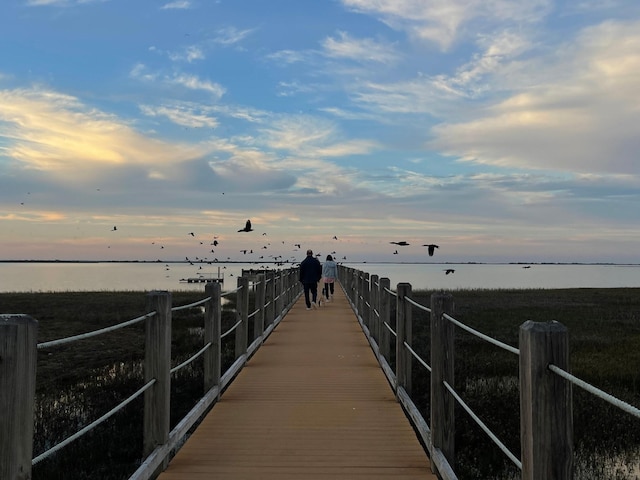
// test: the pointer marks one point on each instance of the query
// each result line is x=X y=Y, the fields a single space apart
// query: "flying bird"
x=247 y=227
x=114 y=228
x=431 y=247
x=402 y=243
x=192 y=234
x=448 y=271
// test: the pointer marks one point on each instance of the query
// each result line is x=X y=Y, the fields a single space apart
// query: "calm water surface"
x=51 y=277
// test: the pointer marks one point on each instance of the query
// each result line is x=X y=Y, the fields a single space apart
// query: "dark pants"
x=313 y=288
x=328 y=288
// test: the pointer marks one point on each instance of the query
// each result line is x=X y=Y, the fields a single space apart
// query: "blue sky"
x=500 y=130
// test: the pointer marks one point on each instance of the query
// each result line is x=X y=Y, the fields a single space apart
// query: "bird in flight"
x=114 y=229
x=247 y=227
x=431 y=247
x=448 y=271
x=401 y=243
x=192 y=234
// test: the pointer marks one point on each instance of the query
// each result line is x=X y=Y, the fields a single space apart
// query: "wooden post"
x=442 y=369
x=18 y=358
x=546 y=416
x=212 y=332
x=270 y=297
x=385 y=313
x=366 y=299
x=258 y=319
x=242 y=315
x=157 y=365
x=374 y=310
x=403 y=330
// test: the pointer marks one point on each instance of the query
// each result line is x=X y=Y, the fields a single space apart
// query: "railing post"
x=442 y=413
x=385 y=313
x=242 y=315
x=270 y=297
x=212 y=332
x=546 y=416
x=403 y=330
x=278 y=291
x=18 y=358
x=157 y=365
x=258 y=319
x=374 y=301
x=366 y=300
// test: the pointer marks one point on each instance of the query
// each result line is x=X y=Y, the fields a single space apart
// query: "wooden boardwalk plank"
x=312 y=403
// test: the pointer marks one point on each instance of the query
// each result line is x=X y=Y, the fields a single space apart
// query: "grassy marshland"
x=79 y=382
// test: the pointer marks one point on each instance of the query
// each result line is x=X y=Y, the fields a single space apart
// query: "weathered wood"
x=404 y=334
x=157 y=365
x=385 y=312
x=258 y=319
x=212 y=332
x=374 y=310
x=546 y=417
x=366 y=299
x=18 y=357
x=242 y=315
x=270 y=298
x=442 y=369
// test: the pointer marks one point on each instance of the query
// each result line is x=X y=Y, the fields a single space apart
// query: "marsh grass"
x=604 y=345
x=79 y=382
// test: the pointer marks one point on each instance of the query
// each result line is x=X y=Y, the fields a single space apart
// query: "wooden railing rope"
x=18 y=347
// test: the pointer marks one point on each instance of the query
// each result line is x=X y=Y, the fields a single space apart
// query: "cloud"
x=288 y=56
x=231 y=35
x=577 y=111
x=48 y=131
x=190 y=115
x=177 y=5
x=361 y=50
x=188 y=54
x=442 y=21
x=191 y=82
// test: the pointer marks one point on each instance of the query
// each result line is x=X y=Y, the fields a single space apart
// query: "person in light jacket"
x=329 y=275
x=310 y=275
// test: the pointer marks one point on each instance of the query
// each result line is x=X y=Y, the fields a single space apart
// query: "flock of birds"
x=279 y=260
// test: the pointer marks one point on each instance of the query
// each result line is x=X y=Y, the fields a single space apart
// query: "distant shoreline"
x=357 y=263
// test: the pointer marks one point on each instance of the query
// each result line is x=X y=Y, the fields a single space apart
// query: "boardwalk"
x=312 y=403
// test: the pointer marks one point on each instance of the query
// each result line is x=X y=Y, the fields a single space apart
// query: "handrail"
x=82 y=336
x=616 y=402
x=93 y=424
x=284 y=293
x=482 y=425
x=478 y=334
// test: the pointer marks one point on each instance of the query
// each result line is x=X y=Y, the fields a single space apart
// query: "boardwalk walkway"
x=312 y=403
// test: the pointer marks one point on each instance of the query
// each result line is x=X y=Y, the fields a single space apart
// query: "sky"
x=500 y=130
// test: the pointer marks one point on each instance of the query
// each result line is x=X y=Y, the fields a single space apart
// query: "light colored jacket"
x=330 y=269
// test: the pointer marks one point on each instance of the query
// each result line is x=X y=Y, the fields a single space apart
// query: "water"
x=52 y=277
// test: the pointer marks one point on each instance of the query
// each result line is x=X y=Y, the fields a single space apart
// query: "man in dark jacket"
x=310 y=275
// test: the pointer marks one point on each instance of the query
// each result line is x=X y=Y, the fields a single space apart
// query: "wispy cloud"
x=578 y=113
x=231 y=35
x=441 y=21
x=361 y=50
x=56 y=133
x=177 y=5
x=186 y=114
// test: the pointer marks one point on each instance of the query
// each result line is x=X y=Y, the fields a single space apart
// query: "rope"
x=191 y=359
x=253 y=313
x=596 y=391
x=497 y=343
x=92 y=425
x=230 y=292
x=390 y=291
x=416 y=304
x=390 y=329
x=194 y=304
x=417 y=357
x=231 y=329
x=495 y=439
x=82 y=336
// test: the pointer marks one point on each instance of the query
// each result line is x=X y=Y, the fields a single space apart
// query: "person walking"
x=329 y=275
x=310 y=275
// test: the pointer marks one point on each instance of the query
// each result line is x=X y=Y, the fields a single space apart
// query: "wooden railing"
x=546 y=421
x=274 y=293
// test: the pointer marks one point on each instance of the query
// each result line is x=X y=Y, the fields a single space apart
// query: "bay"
x=135 y=276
